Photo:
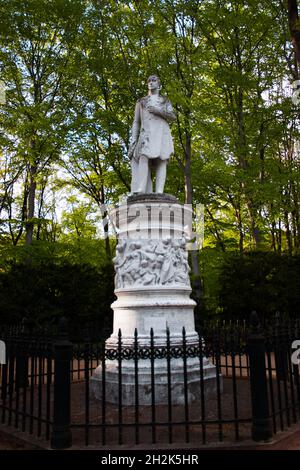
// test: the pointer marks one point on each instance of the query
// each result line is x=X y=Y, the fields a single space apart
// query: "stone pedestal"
x=153 y=291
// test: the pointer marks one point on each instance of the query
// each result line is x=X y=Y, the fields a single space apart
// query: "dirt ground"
x=11 y=443
x=126 y=432
x=291 y=442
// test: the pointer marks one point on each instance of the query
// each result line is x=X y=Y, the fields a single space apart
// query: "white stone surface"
x=151 y=142
x=153 y=291
x=161 y=385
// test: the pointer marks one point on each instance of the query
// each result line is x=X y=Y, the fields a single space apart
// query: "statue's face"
x=153 y=83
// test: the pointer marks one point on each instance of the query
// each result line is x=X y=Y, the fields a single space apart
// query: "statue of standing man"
x=151 y=142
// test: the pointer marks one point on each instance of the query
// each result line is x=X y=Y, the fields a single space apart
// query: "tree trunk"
x=237 y=211
x=273 y=231
x=288 y=232
x=294 y=29
x=197 y=285
x=31 y=202
x=217 y=235
x=279 y=238
x=40 y=208
x=105 y=220
x=241 y=233
x=296 y=221
x=242 y=159
x=187 y=170
x=105 y=230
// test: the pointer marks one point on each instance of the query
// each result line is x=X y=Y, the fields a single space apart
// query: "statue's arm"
x=135 y=130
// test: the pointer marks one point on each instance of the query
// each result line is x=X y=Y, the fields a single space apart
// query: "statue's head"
x=153 y=82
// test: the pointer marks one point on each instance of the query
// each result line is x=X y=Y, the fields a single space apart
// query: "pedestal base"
x=162 y=388
x=153 y=290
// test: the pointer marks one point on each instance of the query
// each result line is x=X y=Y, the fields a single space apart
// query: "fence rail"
x=46 y=387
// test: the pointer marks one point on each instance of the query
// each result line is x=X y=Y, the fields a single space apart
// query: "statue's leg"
x=161 y=173
x=143 y=173
x=149 y=187
x=134 y=175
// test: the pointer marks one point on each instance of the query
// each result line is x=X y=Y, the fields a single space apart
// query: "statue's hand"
x=153 y=109
x=162 y=112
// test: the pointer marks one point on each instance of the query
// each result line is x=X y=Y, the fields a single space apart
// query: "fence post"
x=61 y=437
x=261 y=421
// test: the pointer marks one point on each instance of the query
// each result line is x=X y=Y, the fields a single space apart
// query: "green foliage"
x=43 y=293
x=211 y=261
x=73 y=71
x=265 y=282
x=75 y=251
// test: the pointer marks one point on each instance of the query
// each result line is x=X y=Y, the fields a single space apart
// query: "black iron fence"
x=253 y=390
